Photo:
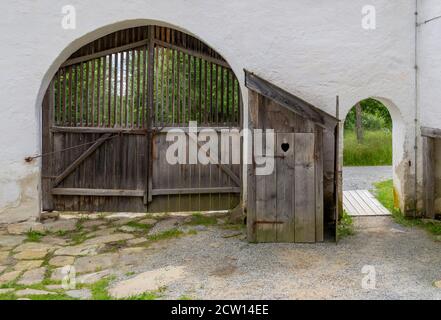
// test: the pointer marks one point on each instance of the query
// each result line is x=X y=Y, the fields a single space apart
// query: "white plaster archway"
x=398 y=145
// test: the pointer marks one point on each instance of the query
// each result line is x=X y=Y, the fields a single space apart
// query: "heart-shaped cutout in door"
x=285 y=146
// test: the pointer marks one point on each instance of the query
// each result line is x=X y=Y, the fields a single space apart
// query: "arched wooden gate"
x=105 y=118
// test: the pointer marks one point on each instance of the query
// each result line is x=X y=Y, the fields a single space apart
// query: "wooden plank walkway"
x=363 y=203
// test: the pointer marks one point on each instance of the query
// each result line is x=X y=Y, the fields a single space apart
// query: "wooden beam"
x=338 y=194
x=194 y=53
x=158 y=192
x=47 y=167
x=81 y=158
x=250 y=202
x=97 y=192
x=104 y=53
x=98 y=130
x=289 y=101
x=198 y=129
x=150 y=105
x=429 y=176
x=431 y=132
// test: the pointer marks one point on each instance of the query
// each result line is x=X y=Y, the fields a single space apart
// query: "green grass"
x=34 y=236
x=385 y=194
x=138 y=225
x=172 y=233
x=345 y=226
x=78 y=237
x=99 y=292
x=199 y=219
x=376 y=149
x=99 y=289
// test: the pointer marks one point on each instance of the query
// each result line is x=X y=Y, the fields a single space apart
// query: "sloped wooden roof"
x=289 y=101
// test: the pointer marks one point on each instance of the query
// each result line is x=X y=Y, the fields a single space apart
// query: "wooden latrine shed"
x=297 y=201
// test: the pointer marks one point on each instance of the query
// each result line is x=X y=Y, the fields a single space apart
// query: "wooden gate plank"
x=97 y=192
x=80 y=159
x=319 y=200
x=304 y=188
x=266 y=206
x=47 y=147
x=285 y=188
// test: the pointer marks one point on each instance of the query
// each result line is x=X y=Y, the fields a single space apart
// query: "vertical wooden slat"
x=109 y=96
x=149 y=137
x=98 y=94
x=200 y=90
x=228 y=105
x=156 y=92
x=285 y=230
x=173 y=97
x=121 y=88
x=184 y=96
x=103 y=111
x=132 y=90
x=144 y=88
x=126 y=95
x=164 y=83
x=64 y=96
x=319 y=201
x=87 y=94
x=93 y=94
x=59 y=98
x=304 y=187
x=233 y=100
x=115 y=93
x=222 y=95
x=47 y=147
x=138 y=88
x=178 y=113
x=73 y=110
x=429 y=176
x=211 y=118
x=217 y=95
x=206 y=100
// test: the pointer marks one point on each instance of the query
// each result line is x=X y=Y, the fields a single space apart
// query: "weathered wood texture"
x=429 y=176
x=289 y=101
x=289 y=204
x=102 y=121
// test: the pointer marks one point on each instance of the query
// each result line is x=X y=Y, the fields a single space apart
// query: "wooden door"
x=289 y=201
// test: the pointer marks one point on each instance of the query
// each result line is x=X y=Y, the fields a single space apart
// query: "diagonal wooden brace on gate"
x=80 y=159
x=217 y=161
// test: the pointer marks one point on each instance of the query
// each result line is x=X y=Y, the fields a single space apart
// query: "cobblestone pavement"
x=199 y=257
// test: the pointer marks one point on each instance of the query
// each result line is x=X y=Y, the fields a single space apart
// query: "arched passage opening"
x=106 y=115
x=372 y=145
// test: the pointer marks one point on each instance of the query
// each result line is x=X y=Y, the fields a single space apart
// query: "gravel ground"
x=214 y=262
x=363 y=178
x=407 y=262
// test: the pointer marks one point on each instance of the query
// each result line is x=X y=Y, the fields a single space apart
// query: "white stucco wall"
x=314 y=49
x=429 y=50
x=429 y=75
